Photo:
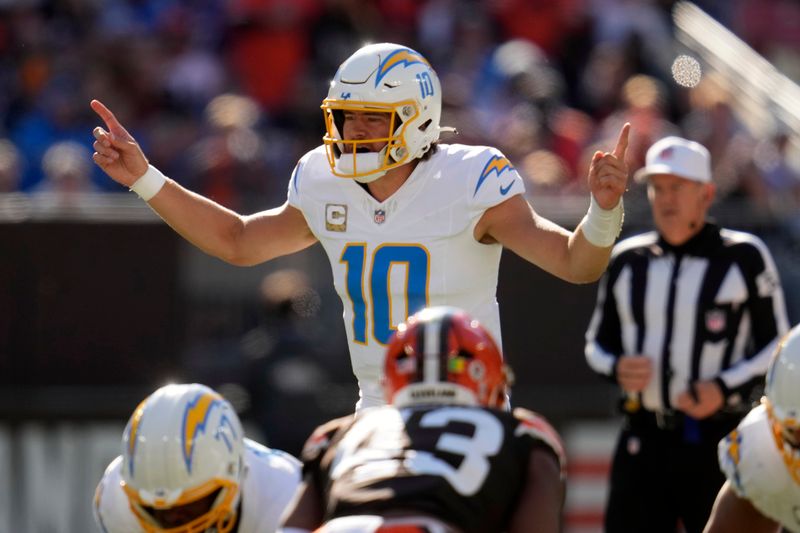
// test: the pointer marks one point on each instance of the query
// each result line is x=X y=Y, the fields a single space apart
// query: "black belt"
x=666 y=420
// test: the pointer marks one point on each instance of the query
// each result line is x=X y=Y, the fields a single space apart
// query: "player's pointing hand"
x=115 y=150
x=608 y=172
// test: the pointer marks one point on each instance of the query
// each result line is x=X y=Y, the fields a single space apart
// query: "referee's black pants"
x=665 y=473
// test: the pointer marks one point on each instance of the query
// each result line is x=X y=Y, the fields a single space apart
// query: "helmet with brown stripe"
x=441 y=355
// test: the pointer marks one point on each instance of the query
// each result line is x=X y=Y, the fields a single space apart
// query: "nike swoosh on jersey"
x=504 y=190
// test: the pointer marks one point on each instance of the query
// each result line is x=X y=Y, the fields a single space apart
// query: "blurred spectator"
x=571 y=130
x=771 y=28
x=643 y=103
x=67 y=170
x=227 y=163
x=542 y=22
x=545 y=172
x=267 y=47
x=195 y=73
x=10 y=166
x=712 y=121
x=640 y=27
x=600 y=82
x=282 y=366
x=776 y=181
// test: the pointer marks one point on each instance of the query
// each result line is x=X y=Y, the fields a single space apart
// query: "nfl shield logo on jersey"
x=380 y=216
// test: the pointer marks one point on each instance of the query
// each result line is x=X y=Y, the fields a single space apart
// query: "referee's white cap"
x=679 y=157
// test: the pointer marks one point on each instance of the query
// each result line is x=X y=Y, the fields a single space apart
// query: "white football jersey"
x=270 y=480
x=414 y=250
x=752 y=463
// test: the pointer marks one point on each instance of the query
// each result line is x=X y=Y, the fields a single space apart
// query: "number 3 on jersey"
x=378 y=277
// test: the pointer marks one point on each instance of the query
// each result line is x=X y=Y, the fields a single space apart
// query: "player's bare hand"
x=705 y=400
x=634 y=372
x=115 y=150
x=608 y=172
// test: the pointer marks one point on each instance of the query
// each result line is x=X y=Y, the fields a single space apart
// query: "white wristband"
x=602 y=226
x=149 y=184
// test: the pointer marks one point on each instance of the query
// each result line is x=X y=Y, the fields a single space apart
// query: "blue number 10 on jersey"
x=376 y=278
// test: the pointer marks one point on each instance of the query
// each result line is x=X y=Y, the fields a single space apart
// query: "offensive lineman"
x=761 y=457
x=445 y=456
x=399 y=233
x=187 y=468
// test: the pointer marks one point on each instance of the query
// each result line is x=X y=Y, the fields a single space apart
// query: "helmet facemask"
x=352 y=158
x=218 y=511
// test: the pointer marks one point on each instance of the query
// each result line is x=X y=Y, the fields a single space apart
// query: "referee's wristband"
x=602 y=226
x=149 y=184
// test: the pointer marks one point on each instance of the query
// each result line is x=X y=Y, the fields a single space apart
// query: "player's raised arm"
x=580 y=256
x=591 y=242
x=218 y=231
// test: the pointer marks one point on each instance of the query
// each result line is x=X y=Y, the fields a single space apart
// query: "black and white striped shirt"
x=710 y=308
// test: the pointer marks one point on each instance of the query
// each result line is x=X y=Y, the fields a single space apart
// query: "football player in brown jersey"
x=446 y=456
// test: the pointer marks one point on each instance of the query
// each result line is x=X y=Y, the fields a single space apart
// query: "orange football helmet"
x=443 y=356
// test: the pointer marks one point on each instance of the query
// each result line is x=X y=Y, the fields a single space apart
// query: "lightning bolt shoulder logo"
x=195 y=419
x=132 y=433
x=497 y=165
x=734 y=440
x=404 y=57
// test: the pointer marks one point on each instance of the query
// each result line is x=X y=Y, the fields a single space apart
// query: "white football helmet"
x=782 y=400
x=383 y=78
x=182 y=461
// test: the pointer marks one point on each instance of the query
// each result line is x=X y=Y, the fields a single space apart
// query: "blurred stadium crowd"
x=224 y=96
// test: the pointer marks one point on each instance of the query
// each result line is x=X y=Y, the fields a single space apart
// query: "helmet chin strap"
x=347 y=164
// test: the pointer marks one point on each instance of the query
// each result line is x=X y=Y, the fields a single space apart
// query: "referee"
x=686 y=320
